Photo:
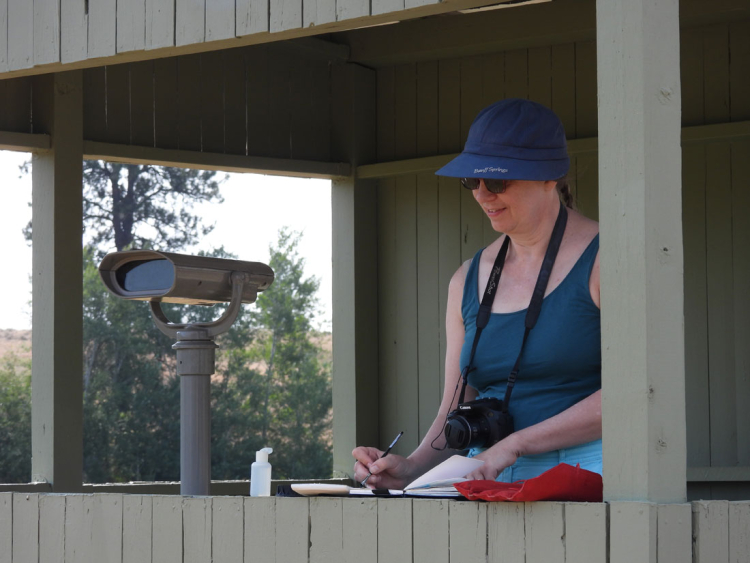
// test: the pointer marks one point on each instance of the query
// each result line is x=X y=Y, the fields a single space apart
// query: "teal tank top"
x=561 y=363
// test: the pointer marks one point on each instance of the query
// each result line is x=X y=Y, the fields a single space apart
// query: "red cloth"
x=562 y=482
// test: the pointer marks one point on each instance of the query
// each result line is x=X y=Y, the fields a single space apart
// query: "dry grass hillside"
x=15 y=341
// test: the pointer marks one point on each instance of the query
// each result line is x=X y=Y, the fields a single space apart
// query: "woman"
x=514 y=156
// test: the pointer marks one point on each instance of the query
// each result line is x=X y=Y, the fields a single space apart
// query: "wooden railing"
x=142 y=528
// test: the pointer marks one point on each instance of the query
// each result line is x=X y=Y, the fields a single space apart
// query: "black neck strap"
x=535 y=307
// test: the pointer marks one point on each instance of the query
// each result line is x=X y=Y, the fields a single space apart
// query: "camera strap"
x=535 y=306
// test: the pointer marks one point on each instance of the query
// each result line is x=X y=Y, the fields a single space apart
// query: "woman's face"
x=520 y=208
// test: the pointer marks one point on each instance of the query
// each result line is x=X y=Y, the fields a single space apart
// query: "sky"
x=255 y=207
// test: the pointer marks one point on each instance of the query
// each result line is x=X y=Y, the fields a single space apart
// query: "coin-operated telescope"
x=157 y=277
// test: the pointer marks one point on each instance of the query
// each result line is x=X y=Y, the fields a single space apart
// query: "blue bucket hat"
x=513 y=139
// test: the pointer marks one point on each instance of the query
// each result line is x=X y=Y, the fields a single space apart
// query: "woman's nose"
x=482 y=193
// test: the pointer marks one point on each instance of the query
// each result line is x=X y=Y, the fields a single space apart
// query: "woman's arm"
x=394 y=471
x=578 y=424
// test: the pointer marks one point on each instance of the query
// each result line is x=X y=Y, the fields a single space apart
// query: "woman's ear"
x=550 y=185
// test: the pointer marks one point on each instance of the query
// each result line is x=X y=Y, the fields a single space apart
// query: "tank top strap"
x=581 y=272
x=470 y=301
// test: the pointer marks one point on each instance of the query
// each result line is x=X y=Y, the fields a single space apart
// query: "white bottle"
x=260 y=474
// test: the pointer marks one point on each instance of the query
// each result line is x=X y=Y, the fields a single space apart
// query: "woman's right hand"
x=391 y=472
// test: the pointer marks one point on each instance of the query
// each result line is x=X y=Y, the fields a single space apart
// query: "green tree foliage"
x=15 y=420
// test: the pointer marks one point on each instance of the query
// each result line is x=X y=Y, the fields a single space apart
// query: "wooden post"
x=640 y=206
x=355 y=329
x=57 y=284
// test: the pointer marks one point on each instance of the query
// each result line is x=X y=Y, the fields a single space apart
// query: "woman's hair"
x=563 y=190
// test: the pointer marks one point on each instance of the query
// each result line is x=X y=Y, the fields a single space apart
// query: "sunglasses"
x=492 y=185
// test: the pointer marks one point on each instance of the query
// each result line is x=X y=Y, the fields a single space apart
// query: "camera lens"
x=457 y=433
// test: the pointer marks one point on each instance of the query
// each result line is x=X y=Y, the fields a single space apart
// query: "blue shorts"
x=589 y=456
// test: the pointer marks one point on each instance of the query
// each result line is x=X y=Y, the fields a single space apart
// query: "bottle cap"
x=262 y=455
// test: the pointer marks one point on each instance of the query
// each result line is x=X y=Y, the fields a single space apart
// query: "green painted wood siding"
x=429 y=226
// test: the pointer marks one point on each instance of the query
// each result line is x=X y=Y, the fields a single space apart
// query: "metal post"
x=196 y=354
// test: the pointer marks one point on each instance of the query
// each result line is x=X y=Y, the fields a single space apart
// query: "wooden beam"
x=355 y=307
x=719 y=132
x=132 y=154
x=710 y=474
x=24 y=142
x=57 y=286
x=640 y=194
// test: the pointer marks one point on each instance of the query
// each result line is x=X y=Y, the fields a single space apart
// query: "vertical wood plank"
x=95 y=104
x=292 y=532
x=386 y=114
x=137 y=525
x=691 y=75
x=227 y=531
x=102 y=28
x=632 y=532
x=279 y=101
x=20 y=34
x=493 y=78
x=739 y=70
x=427 y=108
x=235 y=102
x=449 y=190
x=468 y=531
x=395 y=531
x=320 y=115
x=506 y=533
x=405 y=143
x=6 y=527
x=212 y=93
x=220 y=19
x=166 y=111
x=587 y=185
x=540 y=75
x=190 y=22
x=46 y=31
x=739 y=532
x=674 y=533
x=189 y=102
x=160 y=31
x=385 y=6
x=401 y=413
x=387 y=308
x=258 y=114
x=142 y=82
x=472 y=217
x=25 y=528
x=118 y=103
x=716 y=79
x=3 y=35
x=18 y=95
x=51 y=528
x=131 y=26
x=741 y=298
x=317 y=12
x=562 y=59
x=696 y=305
x=721 y=349
x=545 y=532
x=711 y=531
x=77 y=531
x=252 y=16
x=517 y=73
x=431 y=530
x=353 y=9
x=586 y=102
x=428 y=301
x=260 y=529
x=326 y=530
x=103 y=517
x=305 y=131
x=360 y=536
x=585 y=532
x=196 y=529
x=285 y=14
x=74 y=31
x=167 y=531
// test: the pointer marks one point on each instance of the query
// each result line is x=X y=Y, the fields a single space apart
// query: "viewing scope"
x=165 y=277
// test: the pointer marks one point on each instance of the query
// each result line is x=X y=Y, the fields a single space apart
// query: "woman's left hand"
x=497 y=458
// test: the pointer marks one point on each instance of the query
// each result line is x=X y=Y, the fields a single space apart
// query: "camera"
x=477 y=424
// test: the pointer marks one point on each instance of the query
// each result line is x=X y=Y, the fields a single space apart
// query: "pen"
x=385 y=453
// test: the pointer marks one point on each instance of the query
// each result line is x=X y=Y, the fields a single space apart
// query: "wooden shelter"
x=655 y=98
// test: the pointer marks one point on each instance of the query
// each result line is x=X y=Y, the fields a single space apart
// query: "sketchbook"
x=437 y=482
